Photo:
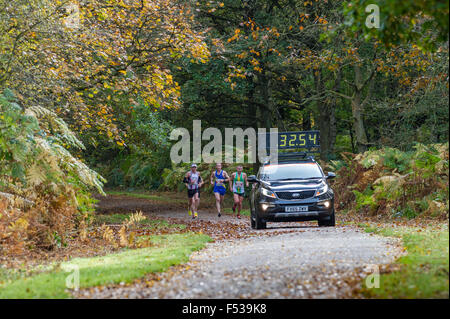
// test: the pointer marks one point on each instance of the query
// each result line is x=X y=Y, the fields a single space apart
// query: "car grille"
x=302 y=194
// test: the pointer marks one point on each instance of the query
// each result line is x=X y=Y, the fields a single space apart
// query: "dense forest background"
x=296 y=65
x=90 y=89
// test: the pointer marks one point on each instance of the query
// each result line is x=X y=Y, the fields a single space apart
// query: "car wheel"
x=330 y=222
x=259 y=223
x=252 y=217
x=252 y=221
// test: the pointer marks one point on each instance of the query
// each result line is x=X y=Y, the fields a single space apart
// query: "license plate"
x=296 y=209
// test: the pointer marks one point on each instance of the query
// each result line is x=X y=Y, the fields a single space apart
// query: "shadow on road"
x=279 y=226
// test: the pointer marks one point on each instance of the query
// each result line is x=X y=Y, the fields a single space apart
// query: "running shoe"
x=190 y=212
x=195 y=215
x=238 y=216
x=219 y=214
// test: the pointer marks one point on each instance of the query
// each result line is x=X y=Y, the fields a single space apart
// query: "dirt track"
x=288 y=260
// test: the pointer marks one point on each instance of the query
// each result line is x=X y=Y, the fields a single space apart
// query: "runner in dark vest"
x=193 y=182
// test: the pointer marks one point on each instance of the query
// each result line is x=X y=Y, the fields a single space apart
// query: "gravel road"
x=306 y=262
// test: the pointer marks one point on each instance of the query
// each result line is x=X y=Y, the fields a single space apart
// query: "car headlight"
x=322 y=190
x=268 y=193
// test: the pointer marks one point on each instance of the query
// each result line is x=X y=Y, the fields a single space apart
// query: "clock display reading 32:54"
x=305 y=139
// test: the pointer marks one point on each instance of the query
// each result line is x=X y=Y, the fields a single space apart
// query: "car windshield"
x=290 y=171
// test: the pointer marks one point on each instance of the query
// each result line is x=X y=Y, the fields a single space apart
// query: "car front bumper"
x=276 y=210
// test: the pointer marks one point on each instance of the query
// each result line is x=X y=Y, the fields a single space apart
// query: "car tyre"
x=259 y=223
x=252 y=221
x=331 y=222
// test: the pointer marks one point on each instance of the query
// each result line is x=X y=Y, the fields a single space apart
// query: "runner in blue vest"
x=193 y=182
x=219 y=177
x=237 y=182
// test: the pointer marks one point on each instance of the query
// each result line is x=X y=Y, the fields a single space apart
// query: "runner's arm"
x=245 y=178
x=186 y=180
x=230 y=181
x=227 y=177
x=200 y=180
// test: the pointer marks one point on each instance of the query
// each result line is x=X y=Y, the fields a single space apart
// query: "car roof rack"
x=290 y=157
x=296 y=156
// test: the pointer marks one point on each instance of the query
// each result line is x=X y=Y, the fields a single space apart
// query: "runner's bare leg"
x=236 y=202
x=241 y=199
x=221 y=200
x=191 y=201
x=196 y=201
x=217 y=196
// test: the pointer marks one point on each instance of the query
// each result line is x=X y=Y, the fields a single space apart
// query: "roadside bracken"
x=389 y=183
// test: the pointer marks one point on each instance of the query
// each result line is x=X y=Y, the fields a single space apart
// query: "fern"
x=33 y=152
x=70 y=164
x=50 y=122
x=35 y=176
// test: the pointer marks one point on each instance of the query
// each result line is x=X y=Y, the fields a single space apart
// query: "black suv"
x=292 y=190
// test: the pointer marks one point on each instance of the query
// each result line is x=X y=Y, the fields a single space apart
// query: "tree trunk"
x=357 y=112
x=352 y=140
x=333 y=124
x=333 y=130
x=306 y=120
x=326 y=121
x=265 y=111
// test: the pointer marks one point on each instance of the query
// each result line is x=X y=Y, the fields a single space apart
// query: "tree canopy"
x=91 y=89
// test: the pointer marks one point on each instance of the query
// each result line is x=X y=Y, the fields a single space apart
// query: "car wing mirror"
x=331 y=175
x=252 y=179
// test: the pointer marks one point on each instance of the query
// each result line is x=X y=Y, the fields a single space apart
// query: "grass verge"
x=244 y=212
x=424 y=271
x=124 y=266
x=147 y=223
x=163 y=198
x=207 y=199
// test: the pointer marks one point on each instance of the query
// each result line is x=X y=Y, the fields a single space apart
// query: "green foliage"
x=85 y=202
x=141 y=170
x=423 y=271
x=395 y=159
x=343 y=143
x=124 y=266
x=401 y=119
x=424 y=22
x=173 y=177
x=244 y=212
x=148 y=128
x=273 y=64
x=16 y=145
x=146 y=153
x=34 y=152
x=426 y=158
x=335 y=165
x=153 y=197
x=396 y=183
x=153 y=224
x=365 y=199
